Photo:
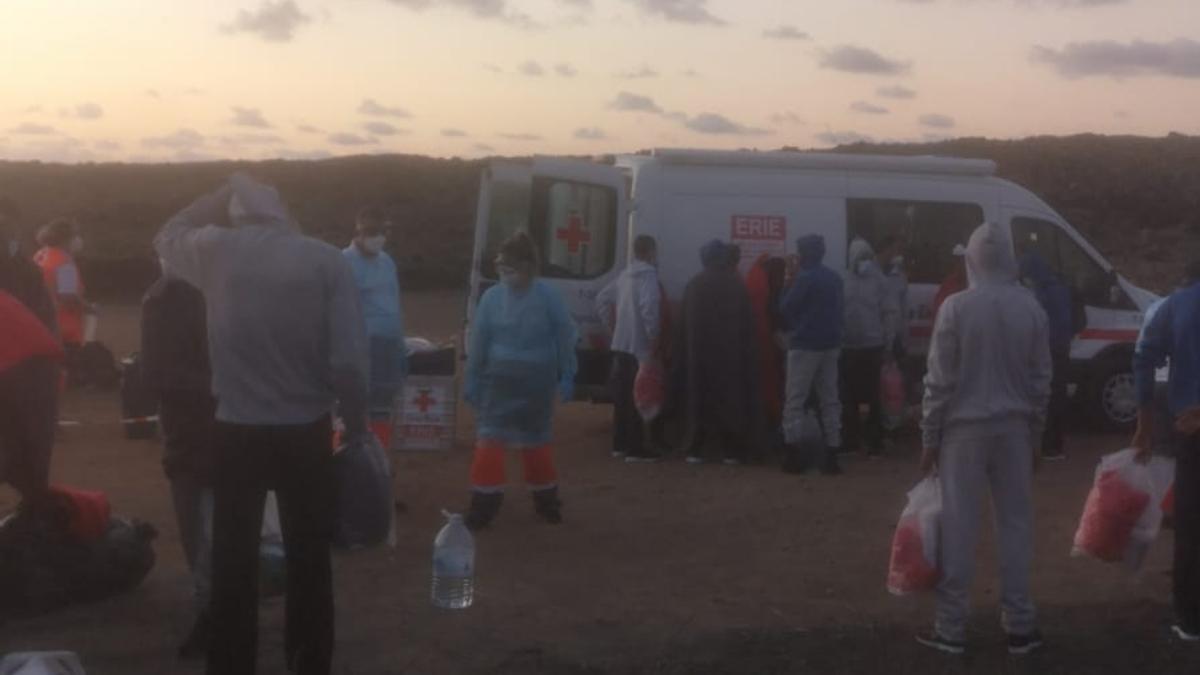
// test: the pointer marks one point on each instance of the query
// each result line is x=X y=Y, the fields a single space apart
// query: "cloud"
x=373 y=108
x=860 y=60
x=691 y=72
x=531 y=69
x=493 y=68
x=382 y=129
x=252 y=139
x=153 y=93
x=897 y=91
x=628 y=102
x=842 y=137
x=787 y=117
x=453 y=133
x=936 y=121
x=868 y=108
x=565 y=70
x=712 y=123
x=33 y=129
x=591 y=134
x=343 y=138
x=483 y=147
x=249 y=117
x=680 y=11
x=1177 y=58
x=309 y=129
x=88 y=111
x=521 y=137
x=272 y=21
x=180 y=139
x=492 y=10
x=642 y=72
x=786 y=32
x=107 y=146
x=1052 y=3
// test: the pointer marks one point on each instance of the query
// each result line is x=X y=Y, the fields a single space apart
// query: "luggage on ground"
x=365 y=506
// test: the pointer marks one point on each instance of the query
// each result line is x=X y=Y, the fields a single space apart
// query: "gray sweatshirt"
x=871 y=310
x=286 y=334
x=989 y=362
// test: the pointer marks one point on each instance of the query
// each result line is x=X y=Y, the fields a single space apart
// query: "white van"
x=585 y=216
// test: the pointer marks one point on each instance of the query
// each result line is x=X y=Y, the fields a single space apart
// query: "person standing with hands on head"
x=812 y=309
x=871 y=318
x=631 y=308
x=379 y=292
x=286 y=343
x=520 y=358
x=986 y=391
x=1173 y=334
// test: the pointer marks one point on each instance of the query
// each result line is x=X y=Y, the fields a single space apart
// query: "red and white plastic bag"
x=914 y=567
x=649 y=389
x=1123 y=512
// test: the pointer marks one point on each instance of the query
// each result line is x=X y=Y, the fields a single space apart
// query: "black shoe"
x=484 y=508
x=1053 y=455
x=831 y=467
x=935 y=641
x=547 y=505
x=1019 y=645
x=195 y=647
x=795 y=461
x=1189 y=634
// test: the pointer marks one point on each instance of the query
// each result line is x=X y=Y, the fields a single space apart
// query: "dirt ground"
x=665 y=568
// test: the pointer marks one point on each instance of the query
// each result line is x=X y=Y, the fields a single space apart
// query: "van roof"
x=827 y=161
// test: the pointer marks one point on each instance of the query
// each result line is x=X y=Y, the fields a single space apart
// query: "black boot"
x=831 y=467
x=547 y=505
x=196 y=645
x=795 y=460
x=483 y=510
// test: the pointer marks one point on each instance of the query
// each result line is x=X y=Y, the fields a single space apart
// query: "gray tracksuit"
x=987 y=388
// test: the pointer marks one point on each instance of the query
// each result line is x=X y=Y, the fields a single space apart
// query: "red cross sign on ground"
x=574 y=233
x=424 y=401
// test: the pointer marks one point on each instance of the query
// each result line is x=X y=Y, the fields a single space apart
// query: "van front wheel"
x=1114 y=398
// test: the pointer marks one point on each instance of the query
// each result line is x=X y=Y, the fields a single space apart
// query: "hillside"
x=1137 y=198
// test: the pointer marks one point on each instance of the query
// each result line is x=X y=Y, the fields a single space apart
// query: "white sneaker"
x=1183 y=634
x=693 y=459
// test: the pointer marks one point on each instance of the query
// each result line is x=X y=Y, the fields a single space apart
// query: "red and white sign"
x=425 y=414
x=758 y=234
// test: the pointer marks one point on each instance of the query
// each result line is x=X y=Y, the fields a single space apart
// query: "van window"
x=508 y=213
x=1073 y=265
x=575 y=225
x=928 y=231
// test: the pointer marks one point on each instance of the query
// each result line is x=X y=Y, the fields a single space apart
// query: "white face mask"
x=863 y=267
x=76 y=244
x=373 y=245
x=14 y=247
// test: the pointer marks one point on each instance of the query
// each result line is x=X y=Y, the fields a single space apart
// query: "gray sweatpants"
x=805 y=371
x=999 y=458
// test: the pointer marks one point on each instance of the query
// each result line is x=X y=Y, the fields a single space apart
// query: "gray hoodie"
x=871 y=311
x=989 y=363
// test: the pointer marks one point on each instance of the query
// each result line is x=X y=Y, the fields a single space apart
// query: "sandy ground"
x=658 y=569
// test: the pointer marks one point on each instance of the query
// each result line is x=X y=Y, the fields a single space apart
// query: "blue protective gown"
x=379 y=294
x=521 y=354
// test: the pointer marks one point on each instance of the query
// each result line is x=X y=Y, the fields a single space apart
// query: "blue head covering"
x=714 y=254
x=811 y=248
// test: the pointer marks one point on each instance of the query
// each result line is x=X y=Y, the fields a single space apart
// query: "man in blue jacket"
x=1174 y=334
x=812 y=310
x=1055 y=298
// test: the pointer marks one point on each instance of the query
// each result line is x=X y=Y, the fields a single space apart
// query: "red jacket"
x=25 y=336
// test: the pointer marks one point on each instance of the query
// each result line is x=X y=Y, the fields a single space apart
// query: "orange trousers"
x=488 y=471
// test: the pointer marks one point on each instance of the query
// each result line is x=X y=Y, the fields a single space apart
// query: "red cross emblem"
x=574 y=233
x=424 y=401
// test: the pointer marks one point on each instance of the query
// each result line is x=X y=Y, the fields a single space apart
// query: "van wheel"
x=1114 y=398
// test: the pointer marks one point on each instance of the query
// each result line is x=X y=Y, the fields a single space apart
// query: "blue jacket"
x=812 y=307
x=1172 y=332
x=1055 y=298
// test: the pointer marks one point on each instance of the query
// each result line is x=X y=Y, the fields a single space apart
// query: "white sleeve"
x=606 y=305
x=649 y=302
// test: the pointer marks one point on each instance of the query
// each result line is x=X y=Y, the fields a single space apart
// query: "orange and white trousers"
x=488 y=475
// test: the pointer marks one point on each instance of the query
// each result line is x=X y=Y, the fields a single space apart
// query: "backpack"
x=93 y=364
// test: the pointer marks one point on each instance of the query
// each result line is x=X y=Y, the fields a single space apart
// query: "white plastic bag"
x=913 y=566
x=1123 y=512
x=41 y=663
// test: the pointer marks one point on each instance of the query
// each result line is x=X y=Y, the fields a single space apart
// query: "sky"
x=191 y=80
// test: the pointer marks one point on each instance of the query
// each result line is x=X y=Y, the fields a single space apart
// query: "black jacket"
x=175 y=338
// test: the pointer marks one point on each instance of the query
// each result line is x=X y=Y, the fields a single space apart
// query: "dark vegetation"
x=1137 y=199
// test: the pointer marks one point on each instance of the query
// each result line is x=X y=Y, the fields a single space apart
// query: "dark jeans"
x=1187 y=533
x=28 y=419
x=860 y=370
x=297 y=463
x=629 y=430
x=189 y=429
x=1052 y=439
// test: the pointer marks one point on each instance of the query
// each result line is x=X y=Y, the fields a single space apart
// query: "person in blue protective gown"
x=521 y=362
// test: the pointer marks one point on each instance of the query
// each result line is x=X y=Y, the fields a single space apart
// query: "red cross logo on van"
x=574 y=233
x=424 y=402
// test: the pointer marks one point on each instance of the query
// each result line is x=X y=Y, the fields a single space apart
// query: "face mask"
x=14 y=248
x=76 y=244
x=373 y=245
x=863 y=267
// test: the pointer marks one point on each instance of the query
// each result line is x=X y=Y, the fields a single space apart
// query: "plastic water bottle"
x=453 y=565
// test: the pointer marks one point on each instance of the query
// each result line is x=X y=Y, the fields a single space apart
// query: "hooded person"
x=286 y=344
x=1172 y=335
x=521 y=361
x=812 y=309
x=986 y=391
x=764 y=283
x=632 y=308
x=871 y=317
x=1056 y=299
x=715 y=357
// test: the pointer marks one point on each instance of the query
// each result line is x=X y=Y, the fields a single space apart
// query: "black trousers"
x=297 y=463
x=860 y=370
x=629 y=431
x=28 y=419
x=1052 y=438
x=1187 y=533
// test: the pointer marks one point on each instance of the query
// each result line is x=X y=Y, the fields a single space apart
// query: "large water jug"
x=453 y=565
